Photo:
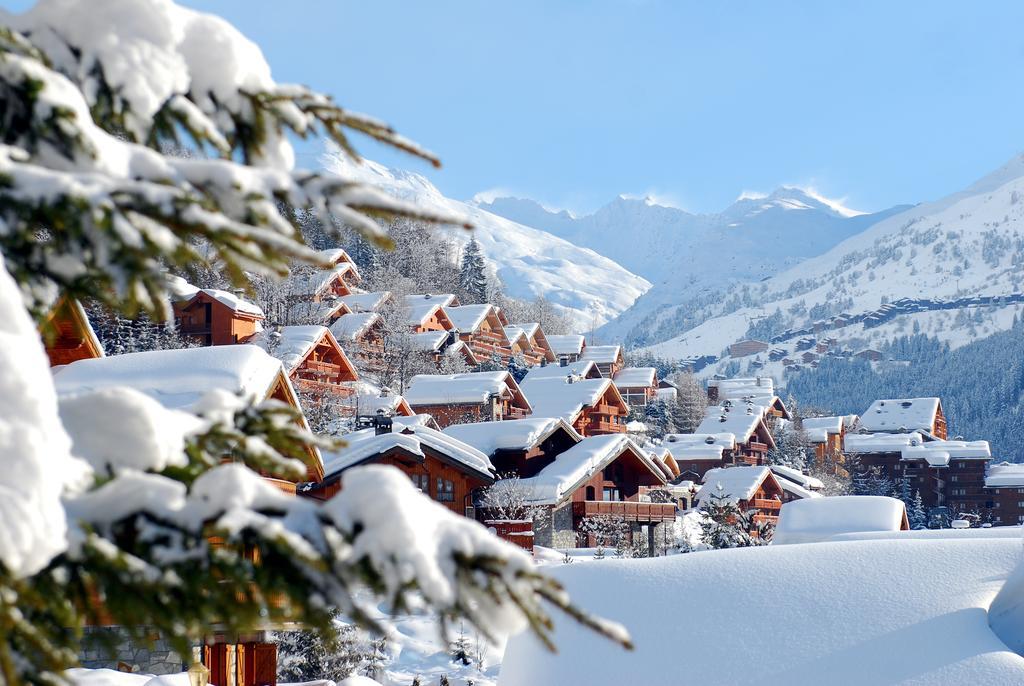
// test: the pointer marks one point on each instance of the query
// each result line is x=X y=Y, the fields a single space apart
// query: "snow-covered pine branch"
x=108 y=496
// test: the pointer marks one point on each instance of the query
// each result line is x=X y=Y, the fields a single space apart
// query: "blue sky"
x=573 y=102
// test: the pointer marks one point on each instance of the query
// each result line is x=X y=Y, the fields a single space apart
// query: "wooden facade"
x=437 y=475
x=606 y=416
x=68 y=335
x=434 y=319
x=208 y=321
x=960 y=486
x=250 y=663
x=487 y=339
x=325 y=370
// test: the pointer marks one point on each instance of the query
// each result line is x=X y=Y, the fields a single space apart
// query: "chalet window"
x=1020 y=490
x=445 y=490
x=422 y=482
x=958 y=491
x=954 y=478
x=611 y=493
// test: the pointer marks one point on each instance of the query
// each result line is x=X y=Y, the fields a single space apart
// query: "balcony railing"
x=764 y=519
x=627 y=509
x=766 y=504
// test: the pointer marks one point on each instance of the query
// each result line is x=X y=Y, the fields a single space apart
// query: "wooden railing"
x=627 y=509
x=766 y=504
x=764 y=519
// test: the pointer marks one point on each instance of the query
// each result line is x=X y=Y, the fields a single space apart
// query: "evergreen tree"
x=94 y=208
x=690 y=406
x=473 y=275
x=916 y=514
x=726 y=526
x=460 y=647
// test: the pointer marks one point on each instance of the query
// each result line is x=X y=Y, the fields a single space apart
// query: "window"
x=591 y=493
x=954 y=478
x=958 y=491
x=422 y=482
x=611 y=493
x=1020 y=490
x=445 y=490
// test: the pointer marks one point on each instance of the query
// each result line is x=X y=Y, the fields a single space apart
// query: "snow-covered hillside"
x=950 y=268
x=691 y=257
x=530 y=262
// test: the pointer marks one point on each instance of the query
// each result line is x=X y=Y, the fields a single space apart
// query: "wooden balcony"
x=516 y=413
x=756 y=447
x=765 y=504
x=764 y=519
x=327 y=387
x=629 y=510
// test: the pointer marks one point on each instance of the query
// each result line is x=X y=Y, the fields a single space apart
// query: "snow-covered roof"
x=740 y=422
x=939 y=453
x=1005 y=475
x=365 y=302
x=881 y=442
x=636 y=377
x=735 y=389
x=903 y=414
x=180 y=289
x=321 y=278
x=603 y=354
x=232 y=301
x=555 y=397
x=334 y=255
x=469 y=318
x=429 y=341
x=176 y=378
x=580 y=369
x=566 y=344
x=797 y=477
x=571 y=468
x=808 y=521
x=368 y=404
x=420 y=311
x=365 y=444
x=738 y=483
x=699 y=446
x=818 y=429
x=443 y=299
x=350 y=327
x=667 y=394
x=318 y=311
x=293 y=344
x=471 y=387
x=920 y=615
x=510 y=434
x=530 y=329
x=514 y=333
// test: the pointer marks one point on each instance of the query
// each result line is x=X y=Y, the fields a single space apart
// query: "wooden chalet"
x=540 y=348
x=609 y=358
x=638 y=385
x=362 y=334
x=362 y=301
x=335 y=281
x=481 y=329
x=442 y=467
x=948 y=474
x=599 y=476
x=567 y=347
x=826 y=434
x=179 y=379
x=380 y=404
x=439 y=344
x=518 y=446
x=591 y=406
x=427 y=313
x=905 y=414
x=311 y=356
x=215 y=317
x=755 y=491
x=752 y=439
x=696 y=454
x=795 y=484
x=470 y=397
x=752 y=392
x=581 y=369
x=297 y=312
x=68 y=335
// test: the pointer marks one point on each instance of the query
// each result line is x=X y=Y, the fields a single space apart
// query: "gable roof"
x=468 y=388
x=603 y=354
x=570 y=469
x=229 y=300
x=468 y=318
x=741 y=423
x=445 y=300
x=902 y=414
x=319 y=279
x=566 y=344
x=351 y=327
x=510 y=434
x=757 y=392
x=369 y=404
x=295 y=343
x=699 y=446
x=414 y=439
x=738 y=483
x=555 y=397
x=420 y=311
x=636 y=377
x=537 y=339
x=580 y=369
x=434 y=342
x=68 y=334
x=365 y=302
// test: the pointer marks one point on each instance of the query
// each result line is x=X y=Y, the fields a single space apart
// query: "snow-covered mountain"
x=691 y=258
x=591 y=288
x=953 y=268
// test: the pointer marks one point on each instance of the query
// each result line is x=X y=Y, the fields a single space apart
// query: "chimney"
x=381 y=424
x=239 y=293
x=563 y=360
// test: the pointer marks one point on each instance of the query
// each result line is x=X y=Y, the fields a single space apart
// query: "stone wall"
x=105 y=647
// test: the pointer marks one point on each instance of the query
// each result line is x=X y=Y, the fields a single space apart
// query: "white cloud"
x=751 y=195
x=837 y=204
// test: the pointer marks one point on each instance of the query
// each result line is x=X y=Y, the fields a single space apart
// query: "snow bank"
x=35 y=448
x=819 y=519
x=917 y=615
x=110 y=677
